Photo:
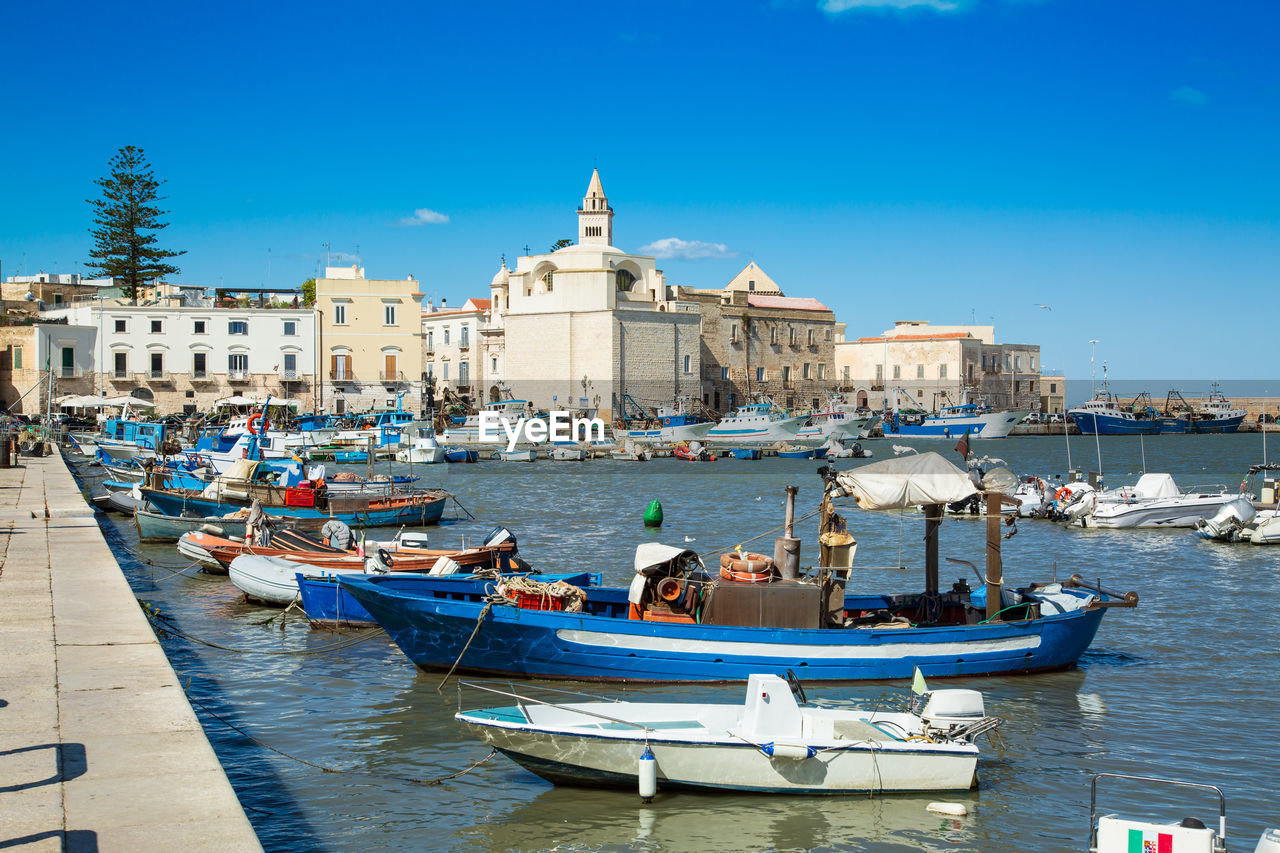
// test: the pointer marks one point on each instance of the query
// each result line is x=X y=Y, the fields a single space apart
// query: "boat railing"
x=522 y=698
x=1093 y=803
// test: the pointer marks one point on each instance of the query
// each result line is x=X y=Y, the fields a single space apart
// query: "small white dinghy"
x=568 y=453
x=1114 y=834
x=273 y=580
x=770 y=742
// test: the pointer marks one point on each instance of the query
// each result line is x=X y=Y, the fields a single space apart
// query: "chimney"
x=430 y=308
x=444 y=303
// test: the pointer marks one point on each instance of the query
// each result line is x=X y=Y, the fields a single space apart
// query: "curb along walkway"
x=99 y=747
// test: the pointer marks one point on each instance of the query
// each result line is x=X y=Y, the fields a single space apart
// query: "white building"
x=185 y=358
x=589 y=324
x=451 y=348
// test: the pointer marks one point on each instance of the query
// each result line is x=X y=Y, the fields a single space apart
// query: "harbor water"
x=1182 y=687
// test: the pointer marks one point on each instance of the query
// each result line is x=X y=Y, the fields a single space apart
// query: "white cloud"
x=1189 y=96
x=835 y=7
x=425 y=216
x=689 y=250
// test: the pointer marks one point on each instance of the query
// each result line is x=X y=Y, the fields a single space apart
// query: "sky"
x=1068 y=170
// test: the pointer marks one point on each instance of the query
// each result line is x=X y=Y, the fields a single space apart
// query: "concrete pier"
x=99 y=747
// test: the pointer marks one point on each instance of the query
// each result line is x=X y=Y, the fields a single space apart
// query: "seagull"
x=1045 y=307
x=690 y=539
x=757 y=498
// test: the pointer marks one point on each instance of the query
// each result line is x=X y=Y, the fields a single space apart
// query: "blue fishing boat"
x=415 y=508
x=327 y=603
x=743 y=453
x=949 y=421
x=461 y=454
x=796 y=453
x=676 y=623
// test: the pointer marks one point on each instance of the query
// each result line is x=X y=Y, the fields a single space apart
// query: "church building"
x=591 y=326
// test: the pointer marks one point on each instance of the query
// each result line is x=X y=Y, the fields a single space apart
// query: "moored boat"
x=755 y=424
x=771 y=742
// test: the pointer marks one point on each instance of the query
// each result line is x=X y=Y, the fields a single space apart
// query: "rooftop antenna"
x=326 y=254
x=268 y=266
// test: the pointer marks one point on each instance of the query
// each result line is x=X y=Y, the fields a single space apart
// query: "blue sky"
x=947 y=160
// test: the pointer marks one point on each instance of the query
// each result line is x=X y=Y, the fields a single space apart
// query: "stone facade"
x=24 y=352
x=934 y=366
x=1053 y=393
x=755 y=341
x=370 y=341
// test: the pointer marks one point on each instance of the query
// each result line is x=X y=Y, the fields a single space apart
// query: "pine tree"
x=125 y=219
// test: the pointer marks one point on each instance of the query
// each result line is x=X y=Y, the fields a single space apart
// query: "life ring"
x=1064 y=492
x=666 y=422
x=745 y=577
x=253 y=422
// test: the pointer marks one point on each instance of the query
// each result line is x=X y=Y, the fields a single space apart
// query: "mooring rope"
x=484 y=611
x=166 y=625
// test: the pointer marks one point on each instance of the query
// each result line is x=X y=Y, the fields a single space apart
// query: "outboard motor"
x=498 y=536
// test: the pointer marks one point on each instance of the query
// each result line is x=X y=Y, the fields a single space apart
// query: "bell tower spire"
x=595 y=217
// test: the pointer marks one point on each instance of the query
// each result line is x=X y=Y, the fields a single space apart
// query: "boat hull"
x=1156 y=513
x=990 y=425
x=1093 y=423
x=612 y=760
x=425 y=511
x=511 y=641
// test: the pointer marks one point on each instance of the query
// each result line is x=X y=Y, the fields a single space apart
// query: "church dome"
x=500 y=279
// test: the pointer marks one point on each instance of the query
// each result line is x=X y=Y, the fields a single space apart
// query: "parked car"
x=1033 y=418
x=1055 y=418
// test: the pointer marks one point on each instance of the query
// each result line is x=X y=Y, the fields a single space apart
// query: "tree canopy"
x=309 y=292
x=125 y=220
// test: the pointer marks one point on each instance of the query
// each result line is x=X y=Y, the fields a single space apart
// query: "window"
x=430 y=336
x=822 y=372
x=446 y=335
x=290 y=328
x=1032 y=366
x=1015 y=386
x=390 y=371
x=157 y=326
x=157 y=365
x=811 y=337
x=733 y=333
x=340 y=366
x=197 y=328
x=444 y=371
x=57 y=299
x=17 y=358
x=942 y=371
x=464 y=373
x=464 y=337
x=724 y=374
x=495 y=365
x=687 y=364
x=897 y=371
x=290 y=366
x=791 y=335
x=879 y=372
x=751 y=285
x=238 y=365
x=846 y=373
x=339 y=314
x=238 y=327
x=786 y=373
x=389 y=314
x=122 y=326
x=68 y=362
x=431 y=371
x=1017 y=362
x=121 y=364
x=759 y=374
x=1053 y=387
x=199 y=365
x=919 y=371
x=806 y=371
x=773 y=335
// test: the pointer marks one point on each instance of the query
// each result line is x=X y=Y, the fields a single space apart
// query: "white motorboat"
x=838 y=420
x=1111 y=833
x=769 y=743
x=1233 y=522
x=630 y=452
x=568 y=453
x=1155 y=501
x=424 y=450
x=754 y=425
x=505 y=414
x=837 y=449
x=528 y=454
x=1266 y=528
x=671 y=425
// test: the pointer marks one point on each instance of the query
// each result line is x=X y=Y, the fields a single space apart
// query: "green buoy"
x=653 y=514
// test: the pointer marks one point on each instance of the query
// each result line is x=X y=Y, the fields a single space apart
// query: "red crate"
x=299 y=497
x=537 y=602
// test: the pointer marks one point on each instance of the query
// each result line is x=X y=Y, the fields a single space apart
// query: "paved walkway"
x=99 y=748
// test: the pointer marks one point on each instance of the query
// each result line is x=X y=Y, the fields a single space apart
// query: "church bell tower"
x=595 y=217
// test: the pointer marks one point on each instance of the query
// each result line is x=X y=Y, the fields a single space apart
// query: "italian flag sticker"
x=1140 y=843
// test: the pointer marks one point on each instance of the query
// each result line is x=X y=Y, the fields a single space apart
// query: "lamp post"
x=101 y=367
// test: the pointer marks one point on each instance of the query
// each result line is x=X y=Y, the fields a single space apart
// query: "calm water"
x=1181 y=687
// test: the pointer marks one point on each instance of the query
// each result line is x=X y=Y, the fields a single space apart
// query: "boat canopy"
x=905 y=482
x=651 y=556
x=1156 y=486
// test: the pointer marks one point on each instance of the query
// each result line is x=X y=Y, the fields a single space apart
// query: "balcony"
x=395 y=377
x=159 y=377
x=238 y=376
x=201 y=377
x=342 y=376
x=70 y=372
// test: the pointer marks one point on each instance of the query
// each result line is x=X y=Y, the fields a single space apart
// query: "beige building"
x=589 y=325
x=452 y=354
x=25 y=350
x=370 y=341
x=935 y=366
x=1053 y=393
x=756 y=340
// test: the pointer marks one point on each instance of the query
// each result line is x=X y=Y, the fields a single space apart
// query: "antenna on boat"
x=1097 y=441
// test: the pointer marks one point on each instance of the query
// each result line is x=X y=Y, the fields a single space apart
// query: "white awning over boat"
x=652 y=555
x=1156 y=486
x=905 y=482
